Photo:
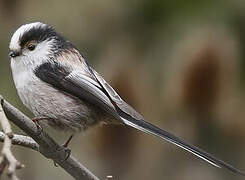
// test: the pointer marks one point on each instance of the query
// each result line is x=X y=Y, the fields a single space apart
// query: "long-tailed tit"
x=55 y=81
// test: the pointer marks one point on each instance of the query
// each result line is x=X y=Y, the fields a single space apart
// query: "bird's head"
x=35 y=43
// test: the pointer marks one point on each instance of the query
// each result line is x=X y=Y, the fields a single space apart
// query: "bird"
x=56 y=83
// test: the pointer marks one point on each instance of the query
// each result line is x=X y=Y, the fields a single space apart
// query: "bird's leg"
x=67 y=150
x=68 y=141
x=65 y=145
x=36 y=121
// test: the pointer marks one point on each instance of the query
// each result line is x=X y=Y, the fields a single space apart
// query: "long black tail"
x=154 y=130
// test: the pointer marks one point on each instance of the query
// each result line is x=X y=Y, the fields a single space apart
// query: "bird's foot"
x=65 y=145
x=67 y=150
x=36 y=120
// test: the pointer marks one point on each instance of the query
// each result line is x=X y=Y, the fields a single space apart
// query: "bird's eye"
x=31 y=46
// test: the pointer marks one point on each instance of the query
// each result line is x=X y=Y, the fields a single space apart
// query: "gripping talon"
x=39 y=128
x=68 y=153
x=67 y=150
x=36 y=121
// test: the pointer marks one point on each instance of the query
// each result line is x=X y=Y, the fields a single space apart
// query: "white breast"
x=23 y=80
x=67 y=111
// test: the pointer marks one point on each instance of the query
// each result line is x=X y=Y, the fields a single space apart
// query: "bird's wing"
x=115 y=98
x=76 y=83
x=91 y=87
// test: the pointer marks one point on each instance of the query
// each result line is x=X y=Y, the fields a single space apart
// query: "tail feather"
x=151 y=129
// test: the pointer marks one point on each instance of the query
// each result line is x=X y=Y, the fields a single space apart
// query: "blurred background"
x=180 y=64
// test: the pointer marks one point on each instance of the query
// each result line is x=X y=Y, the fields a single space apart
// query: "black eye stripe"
x=38 y=34
x=44 y=32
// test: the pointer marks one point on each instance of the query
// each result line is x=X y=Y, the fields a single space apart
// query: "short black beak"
x=14 y=54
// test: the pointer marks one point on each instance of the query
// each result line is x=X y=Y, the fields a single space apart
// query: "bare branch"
x=22 y=140
x=7 y=157
x=47 y=146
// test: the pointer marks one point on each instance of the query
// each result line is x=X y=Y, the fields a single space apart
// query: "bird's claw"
x=67 y=150
x=67 y=155
x=39 y=128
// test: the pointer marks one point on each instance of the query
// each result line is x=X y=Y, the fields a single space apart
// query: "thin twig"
x=47 y=146
x=7 y=157
x=21 y=140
